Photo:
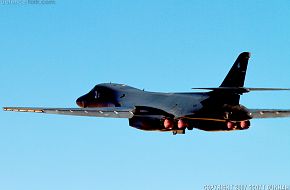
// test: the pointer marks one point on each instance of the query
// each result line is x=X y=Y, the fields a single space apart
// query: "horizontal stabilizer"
x=241 y=90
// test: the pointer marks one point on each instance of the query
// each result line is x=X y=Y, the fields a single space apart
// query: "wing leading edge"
x=113 y=112
x=268 y=113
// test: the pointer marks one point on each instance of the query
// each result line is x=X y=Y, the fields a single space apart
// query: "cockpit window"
x=97 y=94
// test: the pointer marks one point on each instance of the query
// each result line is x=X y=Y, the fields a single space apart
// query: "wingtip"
x=8 y=109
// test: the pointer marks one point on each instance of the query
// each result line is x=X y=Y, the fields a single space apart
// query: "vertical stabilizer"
x=237 y=74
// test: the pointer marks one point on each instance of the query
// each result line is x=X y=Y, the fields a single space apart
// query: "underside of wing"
x=268 y=113
x=113 y=112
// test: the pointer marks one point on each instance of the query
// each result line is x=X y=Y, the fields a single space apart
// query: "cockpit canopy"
x=99 y=96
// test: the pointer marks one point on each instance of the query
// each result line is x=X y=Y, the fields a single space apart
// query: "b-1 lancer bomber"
x=216 y=109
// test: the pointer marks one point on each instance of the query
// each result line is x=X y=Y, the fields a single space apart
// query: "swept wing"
x=113 y=112
x=268 y=113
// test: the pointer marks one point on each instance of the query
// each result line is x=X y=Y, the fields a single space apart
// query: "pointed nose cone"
x=80 y=102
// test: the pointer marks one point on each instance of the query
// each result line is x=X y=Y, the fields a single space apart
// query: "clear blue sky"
x=52 y=54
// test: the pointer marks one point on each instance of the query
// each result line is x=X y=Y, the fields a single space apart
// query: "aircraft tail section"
x=233 y=85
x=237 y=74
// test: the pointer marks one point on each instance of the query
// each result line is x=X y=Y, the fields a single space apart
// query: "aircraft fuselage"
x=195 y=110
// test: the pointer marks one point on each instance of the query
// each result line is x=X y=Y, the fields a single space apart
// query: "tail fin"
x=237 y=74
x=234 y=79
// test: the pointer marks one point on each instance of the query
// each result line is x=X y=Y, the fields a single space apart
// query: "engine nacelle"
x=146 y=123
